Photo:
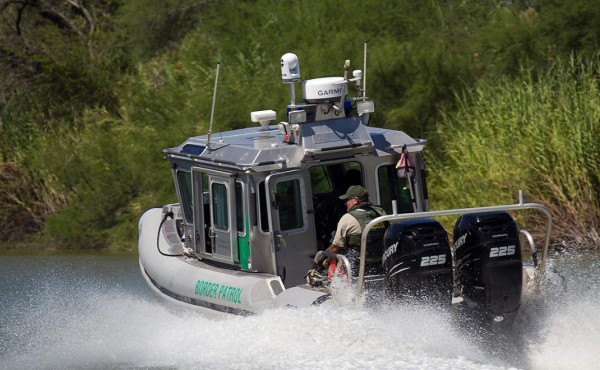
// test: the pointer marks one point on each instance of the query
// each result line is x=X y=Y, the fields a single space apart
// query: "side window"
x=239 y=206
x=220 y=206
x=393 y=188
x=264 y=216
x=290 y=205
x=184 y=182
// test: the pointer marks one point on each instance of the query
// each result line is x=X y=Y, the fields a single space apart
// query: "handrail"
x=404 y=216
x=532 y=245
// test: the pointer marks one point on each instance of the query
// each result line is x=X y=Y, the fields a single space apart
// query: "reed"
x=539 y=134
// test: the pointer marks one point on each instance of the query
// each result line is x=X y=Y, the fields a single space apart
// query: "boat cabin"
x=265 y=198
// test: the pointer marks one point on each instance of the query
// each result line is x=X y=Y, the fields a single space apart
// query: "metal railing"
x=461 y=211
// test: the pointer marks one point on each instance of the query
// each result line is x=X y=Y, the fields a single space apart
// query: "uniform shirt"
x=348 y=225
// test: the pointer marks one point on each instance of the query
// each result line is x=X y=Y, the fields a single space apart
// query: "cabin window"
x=239 y=206
x=220 y=206
x=319 y=181
x=393 y=188
x=184 y=181
x=335 y=178
x=264 y=216
x=289 y=204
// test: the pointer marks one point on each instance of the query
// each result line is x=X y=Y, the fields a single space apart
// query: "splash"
x=117 y=331
x=64 y=319
x=571 y=332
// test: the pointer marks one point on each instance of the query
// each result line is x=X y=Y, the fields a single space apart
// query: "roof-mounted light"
x=297 y=116
x=365 y=106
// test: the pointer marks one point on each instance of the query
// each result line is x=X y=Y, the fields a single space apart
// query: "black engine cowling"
x=488 y=261
x=417 y=260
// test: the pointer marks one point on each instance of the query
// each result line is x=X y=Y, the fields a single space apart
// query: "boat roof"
x=261 y=148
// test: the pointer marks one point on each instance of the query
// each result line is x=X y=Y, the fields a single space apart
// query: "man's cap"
x=355 y=191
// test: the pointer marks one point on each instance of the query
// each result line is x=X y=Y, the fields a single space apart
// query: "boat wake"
x=90 y=324
x=568 y=331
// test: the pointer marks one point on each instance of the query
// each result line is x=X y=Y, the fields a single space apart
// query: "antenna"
x=365 y=71
x=365 y=105
x=212 y=111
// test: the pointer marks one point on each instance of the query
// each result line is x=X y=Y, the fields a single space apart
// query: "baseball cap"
x=355 y=191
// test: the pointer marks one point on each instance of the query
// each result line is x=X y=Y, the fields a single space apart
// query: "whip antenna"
x=212 y=111
x=365 y=71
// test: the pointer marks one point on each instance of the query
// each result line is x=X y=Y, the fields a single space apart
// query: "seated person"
x=349 y=231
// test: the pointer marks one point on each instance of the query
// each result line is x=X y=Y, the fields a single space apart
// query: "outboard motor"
x=488 y=261
x=417 y=260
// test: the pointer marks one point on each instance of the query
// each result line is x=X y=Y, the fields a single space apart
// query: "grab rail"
x=531 y=245
x=462 y=211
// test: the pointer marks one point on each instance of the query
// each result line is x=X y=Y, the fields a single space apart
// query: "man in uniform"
x=350 y=227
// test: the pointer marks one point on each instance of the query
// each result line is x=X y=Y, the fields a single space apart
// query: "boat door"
x=215 y=214
x=292 y=226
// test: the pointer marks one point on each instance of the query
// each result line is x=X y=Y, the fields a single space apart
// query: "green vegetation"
x=539 y=135
x=91 y=92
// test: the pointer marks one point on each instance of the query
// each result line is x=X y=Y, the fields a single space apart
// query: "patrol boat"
x=258 y=204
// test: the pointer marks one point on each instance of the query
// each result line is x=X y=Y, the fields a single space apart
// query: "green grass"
x=539 y=135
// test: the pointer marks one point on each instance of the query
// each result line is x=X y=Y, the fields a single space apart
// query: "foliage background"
x=91 y=91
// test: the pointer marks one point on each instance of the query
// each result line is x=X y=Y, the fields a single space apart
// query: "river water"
x=95 y=312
